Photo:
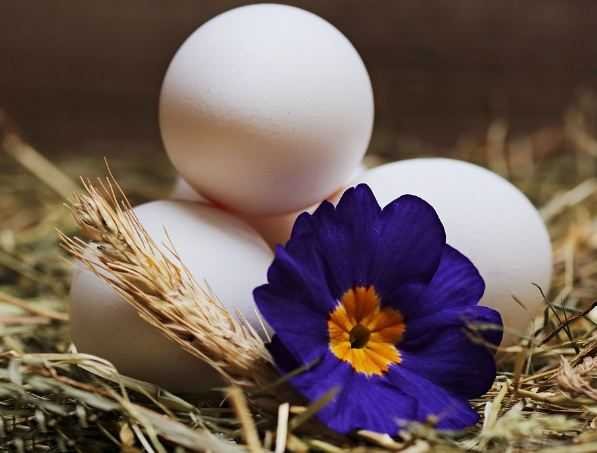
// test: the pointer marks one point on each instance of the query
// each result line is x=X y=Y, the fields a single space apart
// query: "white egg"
x=182 y=190
x=487 y=219
x=266 y=109
x=215 y=247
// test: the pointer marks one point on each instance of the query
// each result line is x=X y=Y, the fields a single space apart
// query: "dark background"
x=85 y=75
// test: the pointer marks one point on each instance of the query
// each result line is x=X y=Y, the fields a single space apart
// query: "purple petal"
x=440 y=348
x=412 y=240
x=372 y=403
x=296 y=304
x=456 y=283
x=452 y=411
x=484 y=321
x=343 y=237
x=322 y=259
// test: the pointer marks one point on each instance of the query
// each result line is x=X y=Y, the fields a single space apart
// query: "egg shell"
x=182 y=190
x=215 y=247
x=487 y=219
x=266 y=109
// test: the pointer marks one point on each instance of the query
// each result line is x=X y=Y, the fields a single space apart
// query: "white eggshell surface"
x=215 y=247
x=266 y=109
x=487 y=219
x=182 y=190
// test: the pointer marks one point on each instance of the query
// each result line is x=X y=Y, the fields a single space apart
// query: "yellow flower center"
x=364 y=334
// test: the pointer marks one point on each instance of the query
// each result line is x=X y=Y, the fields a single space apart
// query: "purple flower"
x=374 y=302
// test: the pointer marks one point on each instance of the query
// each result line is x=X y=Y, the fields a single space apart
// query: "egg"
x=216 y=247
x=266 y=109
x=487 y=219
x=182 y=190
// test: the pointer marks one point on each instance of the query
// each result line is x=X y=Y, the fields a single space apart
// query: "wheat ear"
x=158 y=285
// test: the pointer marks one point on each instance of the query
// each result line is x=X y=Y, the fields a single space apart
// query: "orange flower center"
x=364 y=334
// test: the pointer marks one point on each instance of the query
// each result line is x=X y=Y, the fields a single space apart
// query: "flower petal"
x=285 y=360
x=411 y=243
x=296 y=304
x=440 y=348
x=374 y=403
x=362 y=402
x=477 y=320
x=343 y=237
x=322 y=259
x=456 y=283
x=452 y=411
x=290 y=276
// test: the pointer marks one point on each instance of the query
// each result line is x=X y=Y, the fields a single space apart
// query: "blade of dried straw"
x=32 y=308
x=248 y=428
x=282 y=428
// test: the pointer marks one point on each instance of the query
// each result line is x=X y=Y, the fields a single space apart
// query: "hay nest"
x=55 y=399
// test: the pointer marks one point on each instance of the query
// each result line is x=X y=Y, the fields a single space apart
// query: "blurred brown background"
x=86 y=75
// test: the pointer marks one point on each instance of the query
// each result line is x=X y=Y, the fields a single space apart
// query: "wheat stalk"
x=158 y=285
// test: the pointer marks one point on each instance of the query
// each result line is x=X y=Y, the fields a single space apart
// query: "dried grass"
x=54 y=399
